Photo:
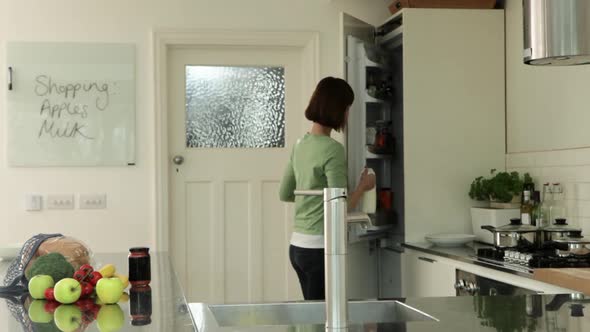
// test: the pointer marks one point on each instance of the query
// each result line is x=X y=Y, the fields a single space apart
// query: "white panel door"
x=229 y=231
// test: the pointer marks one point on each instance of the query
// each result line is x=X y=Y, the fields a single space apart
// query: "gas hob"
x=531 y=257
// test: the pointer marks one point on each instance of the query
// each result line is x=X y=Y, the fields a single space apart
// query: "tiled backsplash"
x=571 y=168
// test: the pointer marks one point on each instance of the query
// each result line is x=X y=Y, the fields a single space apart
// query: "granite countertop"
x=169 y=311
x=549 y=313
x=468 y=254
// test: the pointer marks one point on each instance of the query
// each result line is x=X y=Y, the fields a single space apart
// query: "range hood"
x=556 y=32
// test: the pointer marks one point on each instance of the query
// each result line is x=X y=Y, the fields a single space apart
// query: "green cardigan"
x=316 y=162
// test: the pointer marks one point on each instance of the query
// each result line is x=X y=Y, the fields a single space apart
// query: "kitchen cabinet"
x=362 y=267
x=389 y=277
x=433 y=275
x=425 y=276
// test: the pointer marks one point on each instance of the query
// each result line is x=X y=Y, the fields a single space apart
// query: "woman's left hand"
x=367 y=181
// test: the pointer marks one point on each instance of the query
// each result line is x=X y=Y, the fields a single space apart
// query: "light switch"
x=33 y=202
x=60 y=202
x=93 y=201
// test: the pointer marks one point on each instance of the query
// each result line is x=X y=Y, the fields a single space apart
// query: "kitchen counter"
x=168 y=305
x=500 y=313
x=468 y=254
x=576 y=279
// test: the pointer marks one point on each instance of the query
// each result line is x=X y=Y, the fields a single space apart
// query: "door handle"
x=178 y=160
x=427 y=259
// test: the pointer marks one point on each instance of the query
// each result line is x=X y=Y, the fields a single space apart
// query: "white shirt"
x=307 y=241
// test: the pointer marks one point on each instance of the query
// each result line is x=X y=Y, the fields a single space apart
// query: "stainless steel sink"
x=313 y=313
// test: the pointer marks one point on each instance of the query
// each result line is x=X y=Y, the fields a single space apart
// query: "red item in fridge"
x=385 y=199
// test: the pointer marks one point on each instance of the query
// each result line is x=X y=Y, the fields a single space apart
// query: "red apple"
x=95 y=276
x=50 y=306
x=86 y=320
x=95 y=310
x=79 y=304
x=86 y=268
x=87 y=288
x=89 y=306
x=80 y=275
x=49 y=295
x=85 y=304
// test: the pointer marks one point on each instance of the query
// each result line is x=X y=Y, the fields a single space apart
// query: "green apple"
x=109 y=290
x=37 y=312
x=68 y=317
x=110 y=318
x=67 y=290
x=38 y=284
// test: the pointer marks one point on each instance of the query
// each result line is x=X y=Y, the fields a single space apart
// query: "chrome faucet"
x=335 y=235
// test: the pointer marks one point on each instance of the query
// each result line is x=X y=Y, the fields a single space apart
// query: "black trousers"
x=309 y=265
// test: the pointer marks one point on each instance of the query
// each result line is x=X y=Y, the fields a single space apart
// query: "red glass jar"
x=140 y=305
x=139 y=266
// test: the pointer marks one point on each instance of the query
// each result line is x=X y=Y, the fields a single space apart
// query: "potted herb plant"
x=501 y=193
x=501 y=189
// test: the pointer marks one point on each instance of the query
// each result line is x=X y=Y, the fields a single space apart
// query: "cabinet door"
x=390 y=282
x=424 y=276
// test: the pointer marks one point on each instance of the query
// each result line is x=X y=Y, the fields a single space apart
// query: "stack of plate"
x=450 y=240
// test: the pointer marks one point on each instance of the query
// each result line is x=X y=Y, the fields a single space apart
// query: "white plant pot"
x=514 y=204
x=490 y=216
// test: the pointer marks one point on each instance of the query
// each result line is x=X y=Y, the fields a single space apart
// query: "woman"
x=317 y=162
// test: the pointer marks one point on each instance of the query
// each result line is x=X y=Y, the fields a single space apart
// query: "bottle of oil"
x=526 y=209
x=557 y=209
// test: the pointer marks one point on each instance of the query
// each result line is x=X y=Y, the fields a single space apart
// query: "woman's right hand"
x=367 y=181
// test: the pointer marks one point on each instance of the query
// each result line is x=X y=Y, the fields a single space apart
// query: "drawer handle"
x=427 y=259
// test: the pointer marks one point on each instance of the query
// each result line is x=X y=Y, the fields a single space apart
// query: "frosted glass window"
x=235 y=107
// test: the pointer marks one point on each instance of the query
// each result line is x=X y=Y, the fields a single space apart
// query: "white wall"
x=374 y=12
x=548 y=111
x=130 y=217
x=569 y=167
x=548 y=107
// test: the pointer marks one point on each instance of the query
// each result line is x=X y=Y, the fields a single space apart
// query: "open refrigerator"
x=428 y=117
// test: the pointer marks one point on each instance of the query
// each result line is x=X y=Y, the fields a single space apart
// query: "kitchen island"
x=170 y=312
x=166 y=303
x=550 y=313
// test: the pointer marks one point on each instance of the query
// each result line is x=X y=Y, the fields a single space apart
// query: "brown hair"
x=329 y=103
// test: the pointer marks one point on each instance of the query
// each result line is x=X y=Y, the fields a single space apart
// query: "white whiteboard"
x=71 y=104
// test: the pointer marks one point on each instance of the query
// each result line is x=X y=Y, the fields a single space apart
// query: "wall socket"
x=93 y=201
x=60 y=202
x=33 y=202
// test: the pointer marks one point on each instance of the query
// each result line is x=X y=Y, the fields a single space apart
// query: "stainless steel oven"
x=469 y=284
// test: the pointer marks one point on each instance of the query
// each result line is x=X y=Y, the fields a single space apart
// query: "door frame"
x=307 y=42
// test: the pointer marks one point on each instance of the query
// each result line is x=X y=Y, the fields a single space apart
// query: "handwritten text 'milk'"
x=64 y=110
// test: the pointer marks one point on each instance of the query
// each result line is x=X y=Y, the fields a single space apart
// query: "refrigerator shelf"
x=370 y=155
x=370 y=99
